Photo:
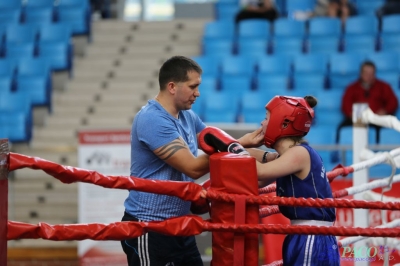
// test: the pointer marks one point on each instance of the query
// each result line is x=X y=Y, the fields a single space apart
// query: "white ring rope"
x=350 y=240
x=379 y=183
x=377 y=159
x=373 y=196
x=388 y=121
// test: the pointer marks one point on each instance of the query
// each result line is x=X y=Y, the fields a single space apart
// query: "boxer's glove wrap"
x=212 y=140
x=237 y=149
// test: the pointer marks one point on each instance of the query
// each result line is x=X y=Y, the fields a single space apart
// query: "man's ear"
x=171 y=87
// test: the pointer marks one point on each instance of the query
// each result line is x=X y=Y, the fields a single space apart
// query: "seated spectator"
x=341 y=9
x=389 y=7
x=368 y=89
x=264 y=9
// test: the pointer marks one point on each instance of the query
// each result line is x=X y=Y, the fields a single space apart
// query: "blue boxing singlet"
x=308 y=249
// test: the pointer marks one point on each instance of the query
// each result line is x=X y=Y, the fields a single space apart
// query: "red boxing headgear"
x=289 y=116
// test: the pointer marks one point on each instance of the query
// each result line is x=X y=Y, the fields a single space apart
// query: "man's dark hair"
x=368 y=63
x=176 y=69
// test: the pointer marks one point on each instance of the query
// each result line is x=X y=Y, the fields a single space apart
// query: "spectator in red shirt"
x=368 y=89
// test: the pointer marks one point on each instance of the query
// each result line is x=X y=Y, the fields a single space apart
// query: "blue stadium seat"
x=252 y=47
x=39 y=15
x=311 y=63
x=254 y=28
x=252 y=103
x=78 y=17
x=360 y=43
x=236 y=84
x=364 y=25
x=10 y=16
x=320 y=135
x=381 y=171
x=7 y=68
x=20 y=34
x=5 y=84
x=278 y=83
x=59 y=55
x=7 y=4
x=325 y=117
x=55 y=32
x=390 y=42
x=288 y=45
x=346 y=136
x=208 y=86
x=16 y=102
x=40 y=3
x=329 y=100
x=217 y=47
x=391 y=77
x=306 y=81
x=211 y=66
x=368 y=7
x=226 y=11
x=4 y=132
x=390 y=24
x=275 y=64
x=224 y=30
x=325 y=26
x=389 y=136
x=18 y=51
x=284 y=27
x=16 y=122
x=323 y=44
x=385 y=61
x=221 y=107
x=238 y=65
x=198 y=106
x=294 y=5
x=344 y=68
x=34 y=78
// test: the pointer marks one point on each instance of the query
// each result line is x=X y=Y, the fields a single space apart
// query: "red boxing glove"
x=212 y=140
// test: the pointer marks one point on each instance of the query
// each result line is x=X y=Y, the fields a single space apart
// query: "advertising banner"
x=107 y=152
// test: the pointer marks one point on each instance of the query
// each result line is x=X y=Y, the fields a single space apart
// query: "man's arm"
x=391 y=104
x=178 y=155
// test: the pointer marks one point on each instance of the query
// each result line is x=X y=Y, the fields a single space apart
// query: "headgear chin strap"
x=289 y=116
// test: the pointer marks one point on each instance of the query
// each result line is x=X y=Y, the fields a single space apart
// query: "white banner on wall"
x=107 y=152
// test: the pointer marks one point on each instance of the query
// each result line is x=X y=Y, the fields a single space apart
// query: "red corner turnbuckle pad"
x=235 y=174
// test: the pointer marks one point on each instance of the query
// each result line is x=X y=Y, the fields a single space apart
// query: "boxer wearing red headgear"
x=299 y=172
x=289 y=117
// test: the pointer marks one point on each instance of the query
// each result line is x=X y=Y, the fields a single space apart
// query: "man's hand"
x=252 y=140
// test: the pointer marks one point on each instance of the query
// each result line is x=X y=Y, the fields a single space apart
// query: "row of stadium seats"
x=35 y=41
x=315 y=27
x=294 y=46
x=247 y=107
x=74 y=12
x=282 y=71
x=50 y=41
x=320 y=34
x=226 y=9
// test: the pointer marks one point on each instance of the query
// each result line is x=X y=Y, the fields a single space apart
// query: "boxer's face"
x=188 y=91
x=264 y=123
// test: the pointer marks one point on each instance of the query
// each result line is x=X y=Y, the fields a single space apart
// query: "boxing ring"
x=236 y=206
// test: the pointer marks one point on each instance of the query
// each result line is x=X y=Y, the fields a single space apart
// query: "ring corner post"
x=4 y=152
x=360 y=177
x=234 y=174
